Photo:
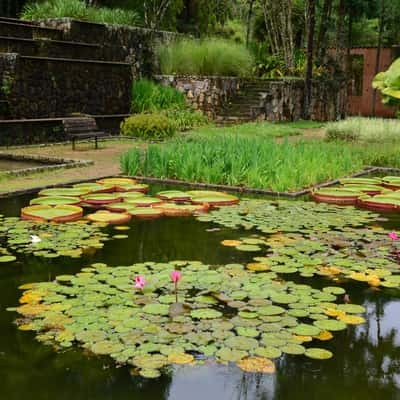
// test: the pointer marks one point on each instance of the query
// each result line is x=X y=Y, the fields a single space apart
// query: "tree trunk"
x=310 y=58
x=249 y=18
x=321 y=44
x=340 y=34
x=378 y=51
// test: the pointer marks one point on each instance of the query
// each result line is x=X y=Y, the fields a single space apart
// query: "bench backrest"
x=79 y=125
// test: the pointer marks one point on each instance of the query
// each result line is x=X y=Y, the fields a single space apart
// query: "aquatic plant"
x=232 y=314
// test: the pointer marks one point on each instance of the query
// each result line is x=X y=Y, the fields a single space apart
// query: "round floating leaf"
x=62 y=213
x=102 y=198
x=351 y=308
x=216 y=199
x=248 y=247
x=182 y=358
x=330 y=325
x=56 y=200
x=205 y=313
x=116 y=181
x=156 y=309
x=74 y=192
x=241 y=343
x=351 y=319
x=257 y=364
x=305 y=330
x=318 y=354
x=295 y=349
x=5 y=259
x=230 y=355
x=144 y=201
x=174 y=195
x=271 y=310
x=150 y=373
x=146 y=212
x=109 y=217
x=268 y=352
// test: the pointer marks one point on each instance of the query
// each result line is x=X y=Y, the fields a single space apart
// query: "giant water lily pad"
x=144 y=201
x=205 y=313
x=174 y=195
x=102 y=198
x=56 y=200
x=109 y=217
x=116 y=181
x=74 y=192
x=60 y=213
x=216 y=199
x=146 y=212
x=175 y=210
x=132 y=187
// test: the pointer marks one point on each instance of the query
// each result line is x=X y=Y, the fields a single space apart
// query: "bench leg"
x=96 y=145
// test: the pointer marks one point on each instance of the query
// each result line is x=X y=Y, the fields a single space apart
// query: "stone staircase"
x=246 y=105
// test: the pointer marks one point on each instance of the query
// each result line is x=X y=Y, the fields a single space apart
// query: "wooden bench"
x=82 y=128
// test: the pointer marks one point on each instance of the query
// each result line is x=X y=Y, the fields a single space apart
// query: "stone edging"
x=50 y=163
x=236 y=189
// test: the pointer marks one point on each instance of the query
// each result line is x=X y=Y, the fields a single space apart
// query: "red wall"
x=362 y=105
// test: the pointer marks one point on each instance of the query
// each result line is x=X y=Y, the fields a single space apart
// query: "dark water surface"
x=366 y=362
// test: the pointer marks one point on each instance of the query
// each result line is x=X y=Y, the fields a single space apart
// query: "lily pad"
x=61 y=213
x=318 y=354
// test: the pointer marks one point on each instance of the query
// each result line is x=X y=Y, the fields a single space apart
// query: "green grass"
x=148 y=96
x=208 y=57
x=78 y=9
x=359 y=129
x=262 y=129
x=255 y=161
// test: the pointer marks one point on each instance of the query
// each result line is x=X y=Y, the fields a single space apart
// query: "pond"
x=365 y=362
x=14 y=165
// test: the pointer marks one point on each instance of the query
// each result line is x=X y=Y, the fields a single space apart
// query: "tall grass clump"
x=207 y=57
x=78 y=9
x=148 y=96
x=359 y=129
x=251 y=162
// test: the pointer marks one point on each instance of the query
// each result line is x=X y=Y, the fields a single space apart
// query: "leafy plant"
x=388 y=83
x=186 y=119
x=148 y=126
x=78 y=9
x=360 y=129
x=148 y=96
x=208 y=57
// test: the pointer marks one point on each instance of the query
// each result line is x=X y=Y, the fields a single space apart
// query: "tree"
x=278 y=23
x=310 y=56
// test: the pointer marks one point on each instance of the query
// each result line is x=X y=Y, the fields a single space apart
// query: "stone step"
x=28 y=31
x=50 y=48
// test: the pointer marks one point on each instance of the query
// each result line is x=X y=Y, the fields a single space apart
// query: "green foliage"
x=148 y=126
x=377 y=130
x=207 y=57
x=261 y=129
x=388 y=83
x=78 y=9
x=186 y=119
x=252 y=162
x=148 y=96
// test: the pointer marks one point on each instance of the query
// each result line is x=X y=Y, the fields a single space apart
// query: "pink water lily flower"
x=393 y=236
x=139 y=282
x=176 y=276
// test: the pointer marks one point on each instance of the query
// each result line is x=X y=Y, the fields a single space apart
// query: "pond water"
x=366 y=362
x=13 y=165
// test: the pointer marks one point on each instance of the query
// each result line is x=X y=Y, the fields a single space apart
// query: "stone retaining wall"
x=49 y=87
x=205 y=93
x=279 y=100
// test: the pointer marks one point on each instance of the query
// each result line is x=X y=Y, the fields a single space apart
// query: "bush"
x=207 y=57
x=148 y=96
x=185 y=120
x=364 y=130
x=78 y=9
x=148 y=126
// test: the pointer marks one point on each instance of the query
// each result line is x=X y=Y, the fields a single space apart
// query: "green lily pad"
x=318 y=354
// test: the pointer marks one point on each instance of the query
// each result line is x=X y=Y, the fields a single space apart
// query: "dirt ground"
x=106 y=163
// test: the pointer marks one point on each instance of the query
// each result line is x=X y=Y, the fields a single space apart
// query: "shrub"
x=207 y=57
x=388 y=83
x=364 y=130
x=185 y=120
x=78 y=9
x=148 y=126
x=148 y=96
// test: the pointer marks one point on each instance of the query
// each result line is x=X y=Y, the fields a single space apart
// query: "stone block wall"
x=51 y=87
x=207 y=93
x=135 y=45
x=277 y=100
